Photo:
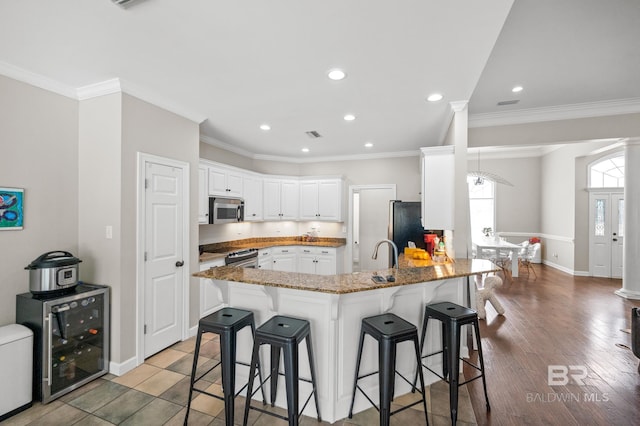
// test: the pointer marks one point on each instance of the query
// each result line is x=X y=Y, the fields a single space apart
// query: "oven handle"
x=47 y=343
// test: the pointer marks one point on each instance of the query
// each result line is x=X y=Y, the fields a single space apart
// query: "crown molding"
x=95 y=90
x=37 y=80
x=561 y=112
x=376 y=156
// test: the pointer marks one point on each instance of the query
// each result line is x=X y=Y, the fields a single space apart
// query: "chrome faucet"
x=392 y=244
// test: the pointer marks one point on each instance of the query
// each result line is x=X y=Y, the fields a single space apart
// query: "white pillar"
x=631 y=247
x=461 y=233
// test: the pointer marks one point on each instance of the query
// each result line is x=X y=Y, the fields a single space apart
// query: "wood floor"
x=557 y=321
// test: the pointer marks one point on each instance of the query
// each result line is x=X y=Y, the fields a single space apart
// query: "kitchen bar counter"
x=335 y=306
x=220 y=250
x=353 y=282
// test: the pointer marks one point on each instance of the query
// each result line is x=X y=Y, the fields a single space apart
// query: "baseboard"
x=582 y=273
x=559 y=267
x=193 y=331
x=119 y=369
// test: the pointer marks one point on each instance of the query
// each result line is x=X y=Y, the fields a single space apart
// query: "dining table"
x=492 y=247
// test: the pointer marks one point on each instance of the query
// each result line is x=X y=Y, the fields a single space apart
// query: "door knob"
x=615 y=239
x=179 y=263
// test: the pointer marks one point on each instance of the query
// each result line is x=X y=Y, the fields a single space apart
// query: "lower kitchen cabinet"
x=317 y=260
x=285 y=259
x=265 y=259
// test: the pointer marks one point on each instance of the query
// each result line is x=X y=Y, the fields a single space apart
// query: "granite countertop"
x=220 y=250
x=349 y=283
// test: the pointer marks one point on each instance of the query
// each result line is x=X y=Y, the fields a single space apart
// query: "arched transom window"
x=607 y=173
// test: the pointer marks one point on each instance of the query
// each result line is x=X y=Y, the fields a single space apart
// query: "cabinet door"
x=217 y=181
x=289 y=200
x=309 y=200
x=252 y=190
x=271 y=201
x=330 y=200
x=203 y=194
x=306 y=260
x=285 y=259
x=325 y=265
x=209 y=294
x=234 y=184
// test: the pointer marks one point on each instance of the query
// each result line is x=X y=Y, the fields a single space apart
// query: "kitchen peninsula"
x=335 y=305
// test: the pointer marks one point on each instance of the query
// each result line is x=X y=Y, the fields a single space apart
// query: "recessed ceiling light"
x=368 y=144
x=305 y=149
x=336 y=74
x=517 y=89
x=349 y=117
x=265 y=127
x=435 y=97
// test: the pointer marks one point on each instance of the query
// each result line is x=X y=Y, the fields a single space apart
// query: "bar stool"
x=226 y=322
x=283 y=333
x=388 y=330
x=452 y=317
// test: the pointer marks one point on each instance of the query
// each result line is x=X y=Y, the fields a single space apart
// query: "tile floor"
x=155 y=393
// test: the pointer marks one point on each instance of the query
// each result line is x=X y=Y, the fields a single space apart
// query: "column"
x=631 y=250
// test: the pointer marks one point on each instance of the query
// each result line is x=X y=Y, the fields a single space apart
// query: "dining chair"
x=526 y=260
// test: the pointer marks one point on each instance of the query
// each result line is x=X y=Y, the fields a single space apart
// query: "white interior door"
x=370 y=213
x=164 y=276
x=606 y=225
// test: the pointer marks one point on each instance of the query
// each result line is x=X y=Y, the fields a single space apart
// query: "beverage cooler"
x=71 y=337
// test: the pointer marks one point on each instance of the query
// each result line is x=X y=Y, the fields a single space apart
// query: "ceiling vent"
x=513 y=102
x=123 y=3
x=313 y=134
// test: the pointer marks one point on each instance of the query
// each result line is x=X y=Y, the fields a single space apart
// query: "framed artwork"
x=11 y=208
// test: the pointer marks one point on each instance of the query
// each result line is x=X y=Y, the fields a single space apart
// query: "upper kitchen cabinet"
x=203 y=194
x=280 y=199
x=225 y=182
x=438 y=172
x=321 y=199
x=252 y=189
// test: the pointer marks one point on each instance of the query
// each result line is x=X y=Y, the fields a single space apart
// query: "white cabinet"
x=210 y=296
x=317 y=260
x=285 y=259
x=438 y=187
x=265 y=259
x=252 y=190
x=225 y=182
x=321 y=200
x=280 y=199
x=203 y=194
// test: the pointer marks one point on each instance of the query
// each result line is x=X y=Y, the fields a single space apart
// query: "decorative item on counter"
x=534 y=240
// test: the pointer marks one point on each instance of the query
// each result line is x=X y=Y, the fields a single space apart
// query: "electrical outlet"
x=109 y=232
x=555 y=255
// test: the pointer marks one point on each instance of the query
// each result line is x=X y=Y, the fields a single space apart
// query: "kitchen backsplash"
x=237 y=231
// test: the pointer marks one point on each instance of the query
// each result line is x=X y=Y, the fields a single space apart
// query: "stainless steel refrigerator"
x=405 y=225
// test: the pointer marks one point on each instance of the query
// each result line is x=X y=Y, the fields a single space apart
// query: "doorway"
x=163 y=242
x=369 y=213
x=606 y=233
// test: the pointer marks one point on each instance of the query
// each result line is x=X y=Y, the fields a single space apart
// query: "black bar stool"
x=452 y=317
x=388 y=330
x=283 y=333
x=226 y=323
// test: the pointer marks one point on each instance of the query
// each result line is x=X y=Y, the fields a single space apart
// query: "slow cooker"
x=54 y=271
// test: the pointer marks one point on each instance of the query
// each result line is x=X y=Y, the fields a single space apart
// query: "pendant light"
x=480 y=176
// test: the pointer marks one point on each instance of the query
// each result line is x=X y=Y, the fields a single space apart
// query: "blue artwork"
x=11 y=208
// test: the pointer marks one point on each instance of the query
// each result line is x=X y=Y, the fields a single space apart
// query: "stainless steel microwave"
x=225 y=210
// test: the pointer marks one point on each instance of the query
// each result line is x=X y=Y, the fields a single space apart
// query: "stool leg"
x=481 y=359
x=355 y=380
x=291 y=381
x=275 y=366
x=264 y=398
x=444 y=330
x=422 y=338
x=419 y=372
x=255 y=359
x=193 y=373
x=387 y=367
x=454 y=367
x=312 y=366
x=228 y=358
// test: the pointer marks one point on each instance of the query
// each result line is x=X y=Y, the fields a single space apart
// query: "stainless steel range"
x=247 y=258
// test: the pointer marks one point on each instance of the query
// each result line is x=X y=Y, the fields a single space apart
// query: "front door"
x=606 y=230
x=163 y=286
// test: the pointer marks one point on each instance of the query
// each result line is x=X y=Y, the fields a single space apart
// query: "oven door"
x=251 y=262
x=225 y=210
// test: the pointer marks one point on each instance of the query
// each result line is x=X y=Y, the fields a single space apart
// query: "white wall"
x=39 y=153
